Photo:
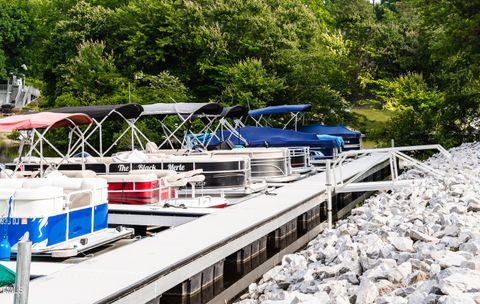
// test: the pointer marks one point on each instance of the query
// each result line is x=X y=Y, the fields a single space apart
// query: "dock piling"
x=22 y=280
x=328 y=185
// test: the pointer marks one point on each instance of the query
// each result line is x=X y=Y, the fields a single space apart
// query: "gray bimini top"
x=105 y=112
x=181 y=109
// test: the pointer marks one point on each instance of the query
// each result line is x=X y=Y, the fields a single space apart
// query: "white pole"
x=329 y=193
x=22 y=280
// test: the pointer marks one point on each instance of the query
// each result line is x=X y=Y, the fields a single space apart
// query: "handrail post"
x=328 y=184
x=22 y=280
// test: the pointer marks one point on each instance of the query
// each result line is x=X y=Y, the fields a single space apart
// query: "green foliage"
x=163 y=87
x=416 y=108
x=372 y=122
x=91 y=78
x=15 y=32
x=418 y=58
x=249 y=84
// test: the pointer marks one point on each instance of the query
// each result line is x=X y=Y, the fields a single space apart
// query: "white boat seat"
x=94 y=183
x=11 y=183
x=38 y=202
x=122 y=178
x=151 y=147
x=159 y=173
x=46 y=192
x=66 y=183
x=79 y=173
x=193 y=172
x=195 y=179
x=175 y=177
x=7 y=173
x=26 y=174
x=130 y=156
x=37 y=182
x=177 y=183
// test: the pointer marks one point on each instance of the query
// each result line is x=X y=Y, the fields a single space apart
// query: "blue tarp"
x=272 y=137
x=336 y=130
x=337 y=139
x=280 y=110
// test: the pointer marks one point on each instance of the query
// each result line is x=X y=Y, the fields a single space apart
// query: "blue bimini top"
x=280 y=110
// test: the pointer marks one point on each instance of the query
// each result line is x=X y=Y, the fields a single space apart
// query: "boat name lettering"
x=147 y=167
x=123 y=168
x=179 y=167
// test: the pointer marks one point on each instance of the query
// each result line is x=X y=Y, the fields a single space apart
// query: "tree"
x=163 y=87
x=82 y=22
x=91 y=78
x=248 y=83
x=417 y=109
x=16 y=30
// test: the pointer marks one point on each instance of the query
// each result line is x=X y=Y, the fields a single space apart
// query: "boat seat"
x=68 y=184
x=79 y=173
x=130 y=156
x=193 y=172
x=26 y=174
x=37 y=182
x=11 y=183
x=177 y=183
x=151 y=147
x=38 y=202
x=159 y=173
x=96 y=195
x=95 y=183
x=175 y=177
x=7 y=173
x=195 y=179
x=130 y=178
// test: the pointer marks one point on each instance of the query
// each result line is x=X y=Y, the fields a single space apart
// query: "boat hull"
x=49 y=231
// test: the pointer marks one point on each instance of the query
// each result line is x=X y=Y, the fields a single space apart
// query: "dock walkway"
x=145 y=269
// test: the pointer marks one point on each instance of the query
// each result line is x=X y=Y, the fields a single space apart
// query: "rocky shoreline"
x=412 y=245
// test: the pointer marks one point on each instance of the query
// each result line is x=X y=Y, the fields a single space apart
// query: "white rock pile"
x=412 y=245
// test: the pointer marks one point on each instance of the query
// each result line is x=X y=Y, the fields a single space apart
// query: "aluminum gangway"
x=395 y=154
x=335 y=182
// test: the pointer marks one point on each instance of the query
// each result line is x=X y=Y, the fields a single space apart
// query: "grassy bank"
x=372 y=122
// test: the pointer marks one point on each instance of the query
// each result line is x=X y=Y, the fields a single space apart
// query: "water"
x=7 y=153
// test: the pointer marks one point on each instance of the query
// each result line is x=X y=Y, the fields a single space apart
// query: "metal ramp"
x=376 y=186
x=334 y=171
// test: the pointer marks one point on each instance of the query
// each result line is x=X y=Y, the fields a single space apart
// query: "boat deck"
x=154 y=265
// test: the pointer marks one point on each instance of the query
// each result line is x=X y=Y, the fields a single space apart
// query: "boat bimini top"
x=44 y=120
x=296 y=111
x=186 y=112
x=33 y=128
x=129 y=113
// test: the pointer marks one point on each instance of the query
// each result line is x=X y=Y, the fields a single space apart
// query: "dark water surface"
x=7 y=153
